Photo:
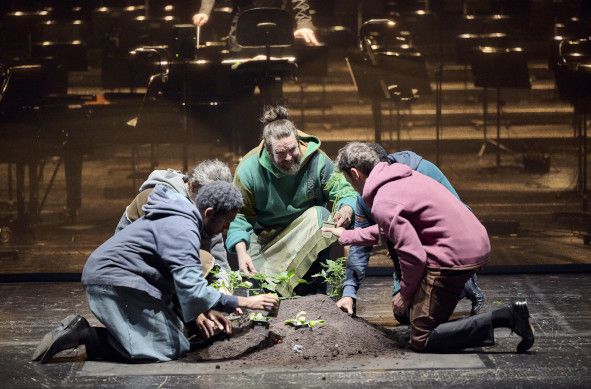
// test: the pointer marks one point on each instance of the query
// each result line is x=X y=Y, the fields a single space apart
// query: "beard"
x=292 y=168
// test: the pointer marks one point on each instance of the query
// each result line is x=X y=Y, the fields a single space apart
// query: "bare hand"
x=399 y=305
x=212 y=321
x=268 y=302
x=307 y=35
x=245 y=264
x=346 y=305
x=343 y=216
x=200 y=19
x=336 y=231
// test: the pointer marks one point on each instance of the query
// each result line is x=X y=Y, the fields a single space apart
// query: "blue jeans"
x=142 y=328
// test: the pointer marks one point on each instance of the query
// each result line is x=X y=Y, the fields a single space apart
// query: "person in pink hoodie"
x=440 y=244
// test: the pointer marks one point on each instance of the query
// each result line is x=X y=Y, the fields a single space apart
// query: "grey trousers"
x=141 y=328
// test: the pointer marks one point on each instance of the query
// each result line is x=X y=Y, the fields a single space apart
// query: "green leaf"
x=314 y=323
x=257 y=317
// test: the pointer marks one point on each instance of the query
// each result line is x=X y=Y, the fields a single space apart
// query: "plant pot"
x=259 y=323
x=275 y=311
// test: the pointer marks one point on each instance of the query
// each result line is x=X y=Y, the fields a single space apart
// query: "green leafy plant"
x=302 y=321
x=271 y=282
x=232 y=281
x=257 y=316
x=333 y=273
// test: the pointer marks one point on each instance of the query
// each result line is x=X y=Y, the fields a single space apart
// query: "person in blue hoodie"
x=213 y=251
x=136 y=277
x=359 y=255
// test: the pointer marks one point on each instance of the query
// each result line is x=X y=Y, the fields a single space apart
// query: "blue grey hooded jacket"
x=159 y=255
x=359 y=255
x=176 y=180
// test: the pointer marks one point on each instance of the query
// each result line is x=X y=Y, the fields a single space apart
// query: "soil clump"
x=341 y=337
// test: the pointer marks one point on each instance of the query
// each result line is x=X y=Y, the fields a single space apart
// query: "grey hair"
x=222 y=196
x=357 y=155
x=209 y=171
x=276 y=125
x=380 y=151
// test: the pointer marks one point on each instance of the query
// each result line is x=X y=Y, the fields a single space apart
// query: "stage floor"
x=559 y=306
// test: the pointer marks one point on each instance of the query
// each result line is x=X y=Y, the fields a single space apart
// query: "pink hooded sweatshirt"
x=428 y=226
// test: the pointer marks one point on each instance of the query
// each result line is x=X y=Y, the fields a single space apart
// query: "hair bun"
x=274 y=112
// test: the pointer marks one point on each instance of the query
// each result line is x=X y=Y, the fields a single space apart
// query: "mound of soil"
x=340 y=337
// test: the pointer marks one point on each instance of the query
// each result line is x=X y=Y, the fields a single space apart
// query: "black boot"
x=474 y=294
x=521 y=325
x=69 y=334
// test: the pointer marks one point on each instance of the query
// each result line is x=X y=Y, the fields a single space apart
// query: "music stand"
x=264 y=27
x=261 y=30
x=388 y=76
x=496 y=67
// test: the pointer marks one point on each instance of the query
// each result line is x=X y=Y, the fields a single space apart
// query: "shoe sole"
x=531 y=327
x=47 y=338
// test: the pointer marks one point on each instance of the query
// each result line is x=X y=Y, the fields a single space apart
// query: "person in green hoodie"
x=287 y=183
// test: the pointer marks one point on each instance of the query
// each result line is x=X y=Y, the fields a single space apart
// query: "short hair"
x=276 y=125
x=209 y=171
x=357 y=155
x=380 y=151
x=222 y=196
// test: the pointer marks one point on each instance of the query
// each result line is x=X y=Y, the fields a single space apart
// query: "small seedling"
x=234 y=281
x=258 y=319
x=257 y=316
x=302 y=321
x=334 y=275
x=271 y=282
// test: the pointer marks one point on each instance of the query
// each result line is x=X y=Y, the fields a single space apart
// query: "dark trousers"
x=102 y=346
x=473 y=331
x=432 y=306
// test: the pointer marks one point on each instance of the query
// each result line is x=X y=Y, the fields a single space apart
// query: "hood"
x=170 y=177
x=382 y=174
x=406 y=157
x=165 y=201
x=308 y=144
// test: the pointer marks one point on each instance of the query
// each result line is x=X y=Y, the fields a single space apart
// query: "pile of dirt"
x=340 y=337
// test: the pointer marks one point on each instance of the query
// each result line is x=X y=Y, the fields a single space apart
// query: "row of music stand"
x=572 y=72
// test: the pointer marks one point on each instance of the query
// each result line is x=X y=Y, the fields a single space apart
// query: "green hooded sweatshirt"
x=273 y=199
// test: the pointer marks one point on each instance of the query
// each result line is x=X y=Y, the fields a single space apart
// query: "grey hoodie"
x=177 y=181
x=159 y=255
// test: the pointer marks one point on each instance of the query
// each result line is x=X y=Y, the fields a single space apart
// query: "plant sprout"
x=257 y=316
x=302 y=321
x=334 y=275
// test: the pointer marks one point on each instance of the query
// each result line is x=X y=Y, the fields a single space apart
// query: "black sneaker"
x=66 y=336
x=522 y=326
